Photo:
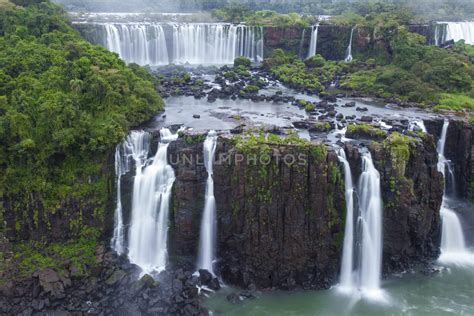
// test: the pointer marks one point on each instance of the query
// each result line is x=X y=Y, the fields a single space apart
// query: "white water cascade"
x=207 y=247
x=135 y=147
x=456 y=31
x=453 y=246
x=216 y=43
x=370 y=221
x=141 y=43
x=417 y=125
x=157 y=44
x=346 y=282
x=349 y=48
x=313 y=44
x=362 y=253
x=150 y=207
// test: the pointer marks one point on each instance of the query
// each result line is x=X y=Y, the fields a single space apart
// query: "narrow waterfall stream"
x=300 y=50
x=150 y=207
x=349 y=47
x=314 y=40
x=135 y=147
x=362 y=249
x=346 y=281
x=370 y=226
x=453 y=246
x=207 y=247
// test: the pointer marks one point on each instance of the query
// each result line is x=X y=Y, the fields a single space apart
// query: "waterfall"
x=346 y=281
x=136 y=147
x=300 y=51
x=216 y=43
x=193 y=43
x=453 y=247
x=349 y=48
x=362 y=253
x=456 y=31
x=150 y=207
x=416 y=125
x=140 y=43
x=314 y=40
x=208 y=225
x=370 y=221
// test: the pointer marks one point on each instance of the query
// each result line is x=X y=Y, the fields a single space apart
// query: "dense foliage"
x=237 y=13
x=417 y=72
x=426 y=9
x=64 y=104
x=313 y=74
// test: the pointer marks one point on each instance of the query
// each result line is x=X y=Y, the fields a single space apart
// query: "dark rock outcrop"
x=280 y=225
x=412 y=191
x=279 y=222
x=113 y=288
x=186 y=157
x=459 y=149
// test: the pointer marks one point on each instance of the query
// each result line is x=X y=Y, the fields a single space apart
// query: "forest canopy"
x=64 y=104
x=424 y=9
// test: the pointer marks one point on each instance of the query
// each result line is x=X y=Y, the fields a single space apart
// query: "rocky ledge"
x=113 y=287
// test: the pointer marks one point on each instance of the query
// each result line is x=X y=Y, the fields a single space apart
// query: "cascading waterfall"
x=207 y=240
x=193 y=43
x=346 y=281
x=415 y=125
x=453 y=246
x=456 y=31
x=136 y=148
x=300 y=51
x=362 y=253
x=216 y=43
x=150 y=207
x=370 y=221
x=314 y=40
x=349 y=48
x=140 y=43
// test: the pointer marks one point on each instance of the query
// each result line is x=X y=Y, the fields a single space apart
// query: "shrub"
x=242 y=61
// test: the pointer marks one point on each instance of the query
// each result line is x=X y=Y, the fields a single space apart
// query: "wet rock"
x=238 y=130
x=362 y=109
x=234 y=298
x=301 y=124
x=196 y=116
x=367 y=119
x=349 y=104
x=205 y=277
x=51 y=283
x=214 y=284
x=116 y=277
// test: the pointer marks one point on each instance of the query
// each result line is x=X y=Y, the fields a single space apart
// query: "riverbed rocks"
x=116 y=289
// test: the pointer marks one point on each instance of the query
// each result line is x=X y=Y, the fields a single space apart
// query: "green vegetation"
x=398 y=146
x=253 y=141
x=64 y=104
x=242 y=61
x=236 y=13
x=463 y=48
x=313 y=74
x=80 y=254
x=408 y=70
x=251 y=89
x=365 y=130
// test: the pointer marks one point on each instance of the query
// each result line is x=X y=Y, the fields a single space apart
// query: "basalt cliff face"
x=281 y=225
x=459 y=149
